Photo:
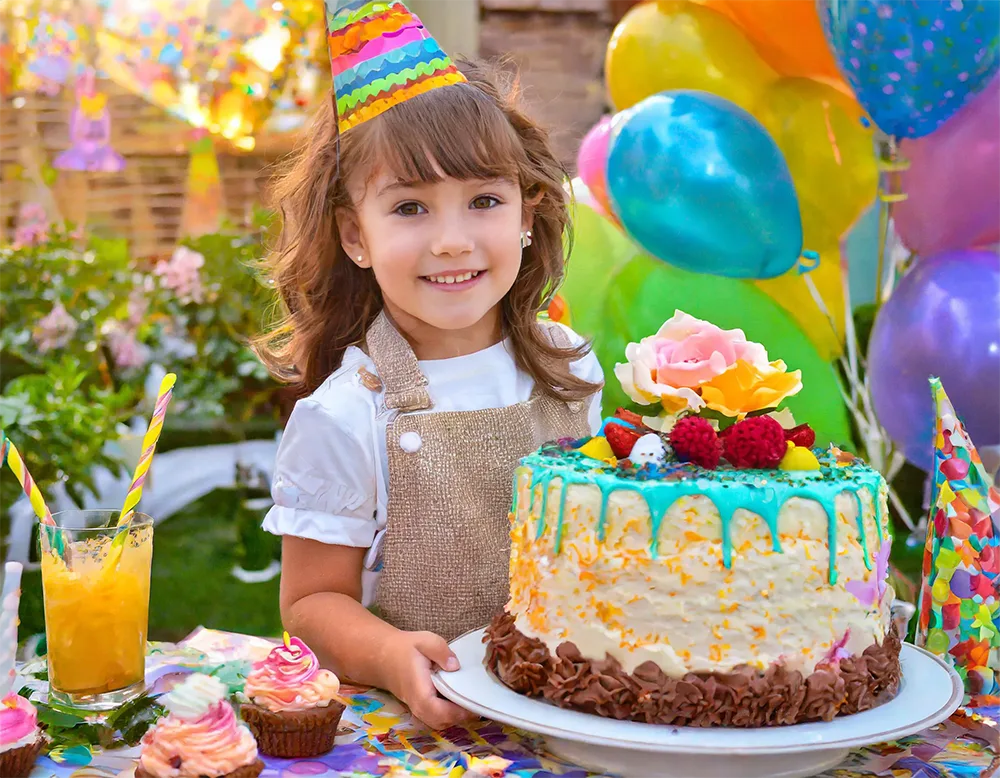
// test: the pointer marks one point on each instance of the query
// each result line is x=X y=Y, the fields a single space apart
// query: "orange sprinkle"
x=759 y=632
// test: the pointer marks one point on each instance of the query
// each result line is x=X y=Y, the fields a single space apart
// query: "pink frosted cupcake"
x=20 y=738
x=200 y=738
x=292 y=705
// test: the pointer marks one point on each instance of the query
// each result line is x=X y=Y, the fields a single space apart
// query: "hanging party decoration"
x=699 y=183
x=203 y=196
x=959 y=608
x=943 y=319
x=90 y=132
x=952 y=185
x=913 y=65
x=53 y=46
x=218 y=65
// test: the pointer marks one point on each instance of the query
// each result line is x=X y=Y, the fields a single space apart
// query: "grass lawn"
x=193 y=553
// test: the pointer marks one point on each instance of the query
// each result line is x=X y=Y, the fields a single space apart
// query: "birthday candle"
x=8 y=625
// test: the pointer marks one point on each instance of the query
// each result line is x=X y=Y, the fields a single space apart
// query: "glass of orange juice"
x=96 y=607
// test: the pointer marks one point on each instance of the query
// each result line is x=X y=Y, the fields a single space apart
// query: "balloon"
x=599 y=250
x=942 y=320
x=792 y=293
x=952 y=185
x=913 y=65
x=828 y=149
x=680 y=45
x=699 y=183
x=787 y=35
x=592 y=158
x=645 y=293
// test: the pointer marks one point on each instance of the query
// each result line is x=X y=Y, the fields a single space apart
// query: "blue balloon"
x=699 y=183
x=913 y=64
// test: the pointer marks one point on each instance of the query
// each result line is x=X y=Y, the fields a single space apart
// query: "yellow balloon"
x=829 y=151
x=674 y=44
x=791 y=291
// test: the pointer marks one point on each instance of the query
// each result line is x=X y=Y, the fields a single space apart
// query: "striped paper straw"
x=148 y=448
x=16 y=465
x=9 y=600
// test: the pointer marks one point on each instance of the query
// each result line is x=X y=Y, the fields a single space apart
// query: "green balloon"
x=598 y=252
x=645 y=292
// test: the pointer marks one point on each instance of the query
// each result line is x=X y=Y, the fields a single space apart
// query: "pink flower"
x=32 y=226
x=138 y=304
x=127 y=352
x=181 y=274
x=685 y=353
x=55 y=329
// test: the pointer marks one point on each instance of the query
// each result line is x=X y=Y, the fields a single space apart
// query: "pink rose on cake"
x=20 y=738
x=690 y=364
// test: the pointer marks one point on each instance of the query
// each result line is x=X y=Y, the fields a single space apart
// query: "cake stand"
x=929 y=693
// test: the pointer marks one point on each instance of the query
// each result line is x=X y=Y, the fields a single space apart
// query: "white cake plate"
x=929 y=693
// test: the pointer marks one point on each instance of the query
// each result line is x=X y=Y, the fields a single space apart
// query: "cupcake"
x=291 y=705
x=20 y=738
x=200 y=737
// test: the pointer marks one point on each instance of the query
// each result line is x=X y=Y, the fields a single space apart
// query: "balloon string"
x=890 y=191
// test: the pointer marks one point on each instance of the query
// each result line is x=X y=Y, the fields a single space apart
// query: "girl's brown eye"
x=485 y=201
x=408 y=209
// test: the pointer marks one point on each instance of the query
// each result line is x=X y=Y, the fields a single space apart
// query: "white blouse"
x=332 y=469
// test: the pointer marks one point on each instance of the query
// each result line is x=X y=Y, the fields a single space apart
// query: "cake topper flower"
x=690 y=364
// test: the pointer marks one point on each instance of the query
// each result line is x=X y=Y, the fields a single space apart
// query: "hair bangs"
x=454 y=131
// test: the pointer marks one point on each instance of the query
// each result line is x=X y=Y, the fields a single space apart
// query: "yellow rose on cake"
x=690 y=364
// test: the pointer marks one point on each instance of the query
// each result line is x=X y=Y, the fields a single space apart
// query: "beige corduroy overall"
x=445 y=553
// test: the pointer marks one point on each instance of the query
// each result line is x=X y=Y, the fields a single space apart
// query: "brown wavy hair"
x=466 y=131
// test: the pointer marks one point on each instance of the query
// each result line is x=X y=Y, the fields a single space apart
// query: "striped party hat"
x=381 y=55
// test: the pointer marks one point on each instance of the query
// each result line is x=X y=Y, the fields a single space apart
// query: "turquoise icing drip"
x=862 y=535
x=726 y=488
x=562 y=510
x=541 y=479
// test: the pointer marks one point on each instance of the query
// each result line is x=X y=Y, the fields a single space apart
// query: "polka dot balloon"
x=913 y=64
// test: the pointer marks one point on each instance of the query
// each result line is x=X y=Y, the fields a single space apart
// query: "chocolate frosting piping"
x=745 y=697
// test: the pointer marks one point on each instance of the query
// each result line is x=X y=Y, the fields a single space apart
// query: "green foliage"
x=60 y=422
x=68 y=727
x=81 y=324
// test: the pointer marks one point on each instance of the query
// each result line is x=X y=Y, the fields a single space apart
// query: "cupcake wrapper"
x=251 y=770
x=294 y=734
x=17 y=762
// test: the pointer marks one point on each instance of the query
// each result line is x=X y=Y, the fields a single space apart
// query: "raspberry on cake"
x=747 y=590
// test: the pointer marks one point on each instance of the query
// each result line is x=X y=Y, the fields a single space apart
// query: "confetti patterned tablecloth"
x=379 y=738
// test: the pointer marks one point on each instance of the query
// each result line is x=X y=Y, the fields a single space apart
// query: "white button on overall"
x=410 y=442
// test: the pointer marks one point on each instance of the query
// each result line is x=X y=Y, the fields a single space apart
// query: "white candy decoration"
x=648 y=450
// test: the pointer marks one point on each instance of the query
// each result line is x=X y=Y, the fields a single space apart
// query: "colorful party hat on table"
x=960 y=585
x=381 y=55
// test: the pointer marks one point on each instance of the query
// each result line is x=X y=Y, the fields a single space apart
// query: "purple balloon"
x=953 y=184
x=942 y=320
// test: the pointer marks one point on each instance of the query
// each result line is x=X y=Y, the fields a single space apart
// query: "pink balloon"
x=953 y=184
x=592 y=159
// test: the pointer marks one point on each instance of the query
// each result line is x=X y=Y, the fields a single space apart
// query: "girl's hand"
x=408 y=675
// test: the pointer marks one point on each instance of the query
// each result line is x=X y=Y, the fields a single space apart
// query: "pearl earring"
x=360 y=259
x=525 y=239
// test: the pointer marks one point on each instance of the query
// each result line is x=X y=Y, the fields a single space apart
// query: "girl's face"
x=444 y=253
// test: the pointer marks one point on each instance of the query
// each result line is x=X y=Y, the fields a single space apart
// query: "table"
x=378 y=737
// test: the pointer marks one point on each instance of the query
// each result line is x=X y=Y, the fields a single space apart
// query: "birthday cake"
x=703 y=566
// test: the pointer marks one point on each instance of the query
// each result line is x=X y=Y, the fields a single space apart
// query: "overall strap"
x=397 y=367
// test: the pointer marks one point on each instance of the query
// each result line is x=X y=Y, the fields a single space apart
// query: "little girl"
x=422 y=233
